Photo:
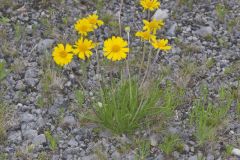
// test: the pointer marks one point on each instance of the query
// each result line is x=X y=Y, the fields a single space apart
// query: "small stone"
x=205 y=31
x=44 y=45
x=186 y=148
x=15 y=137
x=73 y=143
x=40 y=139
x=236 y=152
x=154 y=140
x=29 y=134
x=160 y=14
x=27 y=117
x=210 y=157
x=193 y=157
x=160 y=157
x=69 y=121
x=172 y=30
x=116 y=155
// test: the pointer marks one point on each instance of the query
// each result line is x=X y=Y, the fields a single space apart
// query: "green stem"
x=148 y=65
x=143 y=57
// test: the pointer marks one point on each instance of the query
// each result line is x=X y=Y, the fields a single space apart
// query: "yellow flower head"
x=161 y=44
x=62 y=55
x=145 y=35
x=94 y=21
x=83 y=26
x=153 y=25
x=150 y=4
x=83 y=48
x=115 y=48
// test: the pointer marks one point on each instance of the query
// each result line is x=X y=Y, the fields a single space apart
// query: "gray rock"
x=55 y=157
x=116 y=155
x=44 y=45
x=236 y=152
x=154 y=140
x=73 y=143
x=15 y=137
x=40 y=139
x=29 y=133
x=20 y=85
x=172 y=30
x=195 y=157
x=69 y=121
x=160 y=14
x=204 y=31
x=27 y=117
x=210 y=157
x=31 y=77
x=160 y=157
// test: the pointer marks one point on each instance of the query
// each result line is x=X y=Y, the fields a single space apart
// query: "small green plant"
x=3 y=113
x=3 y=70
x=221 y=11
x=171 y=143
x=4 y=20
x=210 y=63
x=143 y=149
x=79 y=95
x=208 y=37
x=127 y=107
x=43 y=156
x=19 y=32
x=228 y=150
x=3 y=156
x=207 y=117
x=52 y=141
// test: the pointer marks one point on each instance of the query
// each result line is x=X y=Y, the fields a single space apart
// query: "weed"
x=4 y=20
x=208 y=37
x=232 y=68
x=171 y=143
x=207 y=117
x=228 y=150
x=19 y=32
x=3 y=156
x=221 y=11
x=143 y=149
x=79 y=96
x=127 y=107
x=3 y=113
x=43 y=156
x=210 y=63
x=3 y=70
x=52 y=141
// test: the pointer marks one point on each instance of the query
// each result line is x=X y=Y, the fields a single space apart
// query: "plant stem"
x=148 y=65
x=143 y=57
x=128 y=68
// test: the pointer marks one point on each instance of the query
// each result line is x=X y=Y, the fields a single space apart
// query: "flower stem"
x=143 y=57
x=148 y=65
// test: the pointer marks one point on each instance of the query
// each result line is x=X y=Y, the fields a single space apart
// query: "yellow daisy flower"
x=153 y=25
x=145 y=35
x=83 y=26
x=94 y=21
x=161 y=44
x=115 y=48
x=150 y=4
x=83 y=48
x=62 y=55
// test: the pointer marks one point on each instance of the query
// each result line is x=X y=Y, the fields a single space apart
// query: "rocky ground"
x=206 y=50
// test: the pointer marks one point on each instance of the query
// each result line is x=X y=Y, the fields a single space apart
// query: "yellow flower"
x=150 y=4
x=83 y=48
x=145 y=35
x=83 y=26
x=115 y=48
x=161 y=44
x=153 y=25
x=94 y=21
x=62 y=55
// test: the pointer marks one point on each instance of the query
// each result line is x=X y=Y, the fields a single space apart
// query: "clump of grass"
x=207 y=116
x=43 y=156
x=79 y=95
x=3 y=70
x=171 y=143
x=126 y=107
x=52 y=141
x=3 y=113
x=210 y=63
x=221 y=11
x=143 y=149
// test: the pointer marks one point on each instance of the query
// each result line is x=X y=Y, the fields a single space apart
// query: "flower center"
x=63 y=54
x=149 y=4
x=116 y=48
x=84 y=28
x=82 y=48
